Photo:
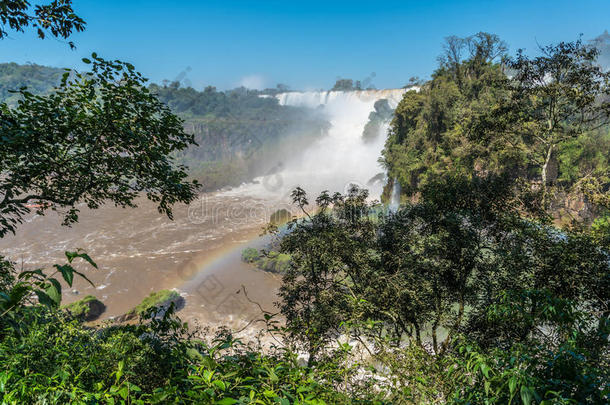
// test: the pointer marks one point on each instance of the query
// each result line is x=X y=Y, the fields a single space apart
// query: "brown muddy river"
x=139 y=251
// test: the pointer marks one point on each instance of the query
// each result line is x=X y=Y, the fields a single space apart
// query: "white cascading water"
x=338 y=159
x=395 y=197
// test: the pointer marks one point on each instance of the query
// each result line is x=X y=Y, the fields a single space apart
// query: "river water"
x=199 y=253
x=139 y=251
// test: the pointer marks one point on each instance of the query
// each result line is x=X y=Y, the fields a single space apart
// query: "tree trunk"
x=435 y=325
x=545 y=166
x=457 y=324
x=417 y=334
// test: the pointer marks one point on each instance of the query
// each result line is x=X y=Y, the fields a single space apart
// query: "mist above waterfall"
x=339 y=158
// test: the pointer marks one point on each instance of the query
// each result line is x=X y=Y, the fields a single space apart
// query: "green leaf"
x=485 y=370
x=53 y=290
x=67 y=272
x=123 y=392
x=220 y=385
x=526 y=395
x=133 y=387
x=85 y=277
x=88 y=259
x=119 y=372
x=17 y=293
x=512 y=385
x=269 y=394
x=226 y=401
x=86 y=60
x=44 y=299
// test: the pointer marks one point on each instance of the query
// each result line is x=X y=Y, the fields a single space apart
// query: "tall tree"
x=561 y=94
x=100 y=136
x=447 y=126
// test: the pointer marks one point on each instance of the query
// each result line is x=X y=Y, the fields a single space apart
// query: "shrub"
x=250 y=255
x=274 y=262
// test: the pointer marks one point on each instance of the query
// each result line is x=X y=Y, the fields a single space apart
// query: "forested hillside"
x=472 y=118
x=240 y=134
x=39 y=79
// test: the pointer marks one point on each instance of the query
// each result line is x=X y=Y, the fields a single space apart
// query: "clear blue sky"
x=305 y=44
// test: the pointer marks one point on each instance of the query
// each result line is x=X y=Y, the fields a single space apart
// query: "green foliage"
x=59 y=361
x=447 y=126
x=559 y=96
x=460 y=265
x=54 y=152
x=548 y=369
x=20 y=290
x=346 y=85
x=274 y=262
x=87 y=308
x=466 y=294
x=38 y=79
x=377 y=119
x=545 y=123
x=155 y=299
x=250 y=255
x=240 y=134
x=55 y=17
x=270 y=261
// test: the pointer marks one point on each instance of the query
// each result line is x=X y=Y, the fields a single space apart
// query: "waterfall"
x=395 y=196
x=314 y=99
x=340 y=157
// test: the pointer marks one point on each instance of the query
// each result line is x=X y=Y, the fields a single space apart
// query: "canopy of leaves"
x=100 y=136
x=542 y=119
x=55 y=17
x=461 y=263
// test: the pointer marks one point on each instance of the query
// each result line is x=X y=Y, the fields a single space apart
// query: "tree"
x=561 y=94
x=407 y=271
x=435 y=269
x=315 y=299
x=343 y=85
x=449 y=124
x=483 y=49
x=100 y=136
x=538 y=119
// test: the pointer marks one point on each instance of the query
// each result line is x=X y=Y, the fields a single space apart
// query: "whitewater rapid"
x=336 y=160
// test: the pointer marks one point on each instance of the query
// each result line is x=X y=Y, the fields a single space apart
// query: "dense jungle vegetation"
x=469 y=293
x=543 y=120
